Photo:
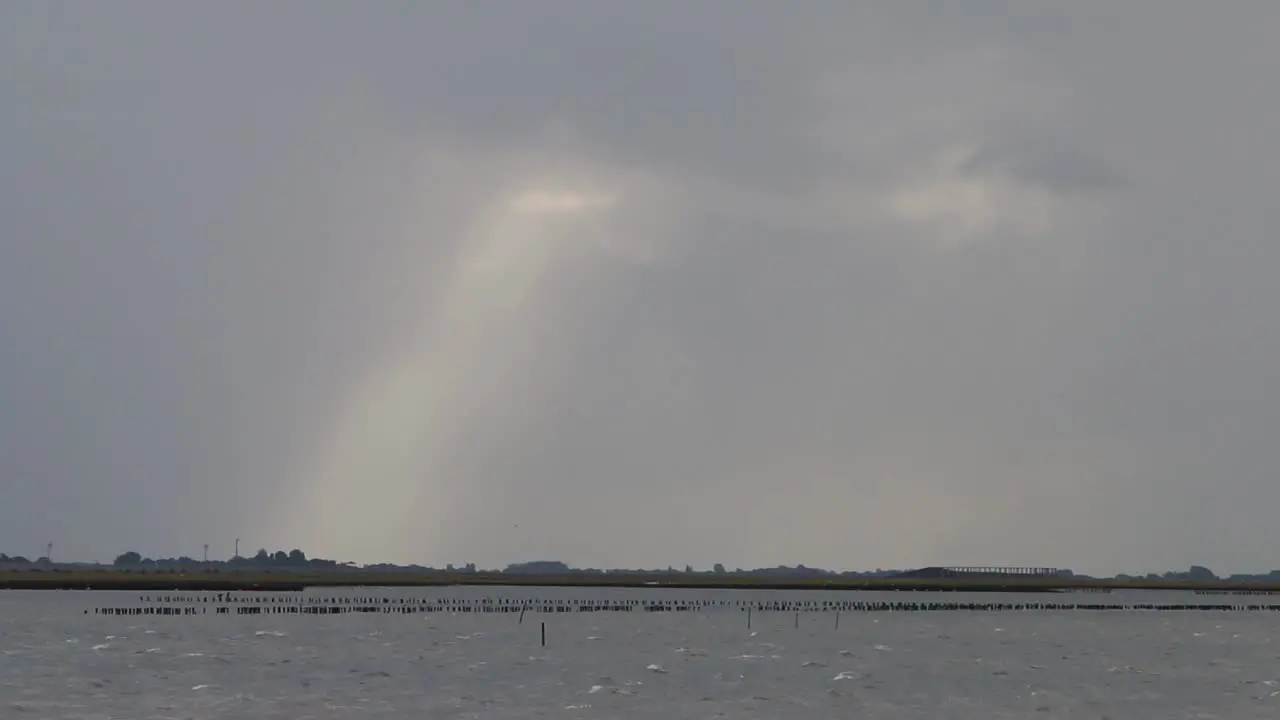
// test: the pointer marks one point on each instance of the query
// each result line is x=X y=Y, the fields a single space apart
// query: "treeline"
x=21 y=560
x=294 y=559
x=1201 y=573
x=555 y=567
x=297 y=560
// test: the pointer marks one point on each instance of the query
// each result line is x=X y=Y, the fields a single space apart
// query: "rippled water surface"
x=57 y=662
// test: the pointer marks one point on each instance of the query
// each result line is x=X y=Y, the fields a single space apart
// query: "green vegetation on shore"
x=294 y=570
x=286 y=580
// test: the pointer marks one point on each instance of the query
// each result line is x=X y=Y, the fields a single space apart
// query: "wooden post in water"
x=748 y=617
x=797 y=621
x=837 y=619
x=521 y=615
x=544 y=634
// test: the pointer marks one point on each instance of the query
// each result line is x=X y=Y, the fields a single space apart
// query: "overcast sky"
x=848 y=284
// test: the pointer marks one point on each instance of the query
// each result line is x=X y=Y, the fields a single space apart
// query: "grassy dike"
x=248 y=580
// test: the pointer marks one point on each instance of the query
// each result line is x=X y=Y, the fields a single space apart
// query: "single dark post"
x=544 y=634
x=837 y=619
x=521 y=615
x=797 y=621
x=748 y=618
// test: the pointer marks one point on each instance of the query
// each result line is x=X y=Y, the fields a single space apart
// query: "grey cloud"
x=974 y=284
x=1060 y=169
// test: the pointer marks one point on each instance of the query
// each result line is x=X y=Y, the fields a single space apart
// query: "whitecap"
x=611 y=690
x=846 y=675
x=656 y=669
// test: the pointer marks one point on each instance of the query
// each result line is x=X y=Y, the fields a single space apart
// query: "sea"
x=496 y=653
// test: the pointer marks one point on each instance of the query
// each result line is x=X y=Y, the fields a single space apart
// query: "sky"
x=847 y=284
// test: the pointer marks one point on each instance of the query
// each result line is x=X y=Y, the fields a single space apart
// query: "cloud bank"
x=623 y=285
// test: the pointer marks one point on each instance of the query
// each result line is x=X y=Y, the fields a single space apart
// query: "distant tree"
x=261 y=557
x=1199 y=572
x=718 y=569
x=688 y=569
x=280 y=558
x=539 y=567
x=297 y=557
x=128 y=559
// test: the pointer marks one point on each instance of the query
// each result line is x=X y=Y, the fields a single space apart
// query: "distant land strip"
x=280 y=581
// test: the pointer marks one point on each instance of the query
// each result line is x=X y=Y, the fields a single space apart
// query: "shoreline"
x=261 y=581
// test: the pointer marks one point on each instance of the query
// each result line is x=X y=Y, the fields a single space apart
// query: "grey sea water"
x=57 y=662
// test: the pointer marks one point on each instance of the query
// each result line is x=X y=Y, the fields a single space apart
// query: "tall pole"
x=206 y=552
x=237 y=547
